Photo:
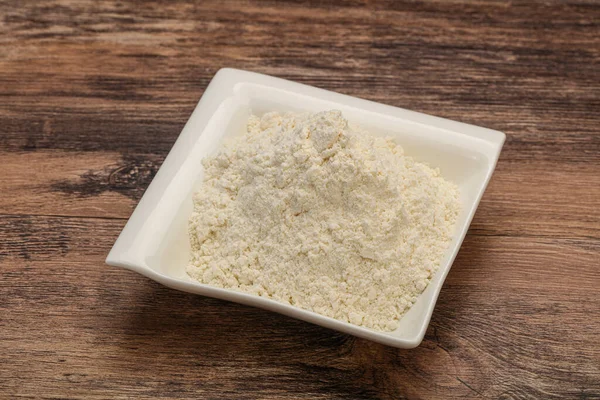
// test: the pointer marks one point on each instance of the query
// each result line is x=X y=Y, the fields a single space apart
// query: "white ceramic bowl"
x=155 y=242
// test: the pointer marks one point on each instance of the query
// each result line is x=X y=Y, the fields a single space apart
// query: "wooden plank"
x=113 y=332
x=514 y=75
x=522 y=198
x=541 y=199
x=95 y=184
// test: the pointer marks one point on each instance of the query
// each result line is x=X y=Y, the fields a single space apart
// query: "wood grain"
x=93 y=95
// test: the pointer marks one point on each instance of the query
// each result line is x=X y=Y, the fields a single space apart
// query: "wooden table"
x=93 y=95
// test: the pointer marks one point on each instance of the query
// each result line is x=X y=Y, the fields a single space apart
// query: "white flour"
x=310 y=212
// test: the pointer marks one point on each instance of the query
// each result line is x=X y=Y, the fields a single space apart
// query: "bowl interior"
x=460 y=159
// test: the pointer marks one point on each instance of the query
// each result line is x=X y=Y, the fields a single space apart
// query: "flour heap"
x=309 y=211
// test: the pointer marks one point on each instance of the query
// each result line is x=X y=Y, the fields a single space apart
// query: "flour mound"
x=309 y=211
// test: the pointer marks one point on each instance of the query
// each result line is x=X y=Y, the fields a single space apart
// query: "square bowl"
x=155 y=241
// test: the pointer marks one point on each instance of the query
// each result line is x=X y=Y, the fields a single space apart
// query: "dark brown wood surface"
x=93 y=95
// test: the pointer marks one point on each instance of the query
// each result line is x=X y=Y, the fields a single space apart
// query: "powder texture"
x=309 y=211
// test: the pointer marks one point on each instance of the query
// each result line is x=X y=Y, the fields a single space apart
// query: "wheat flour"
x=309 y=211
